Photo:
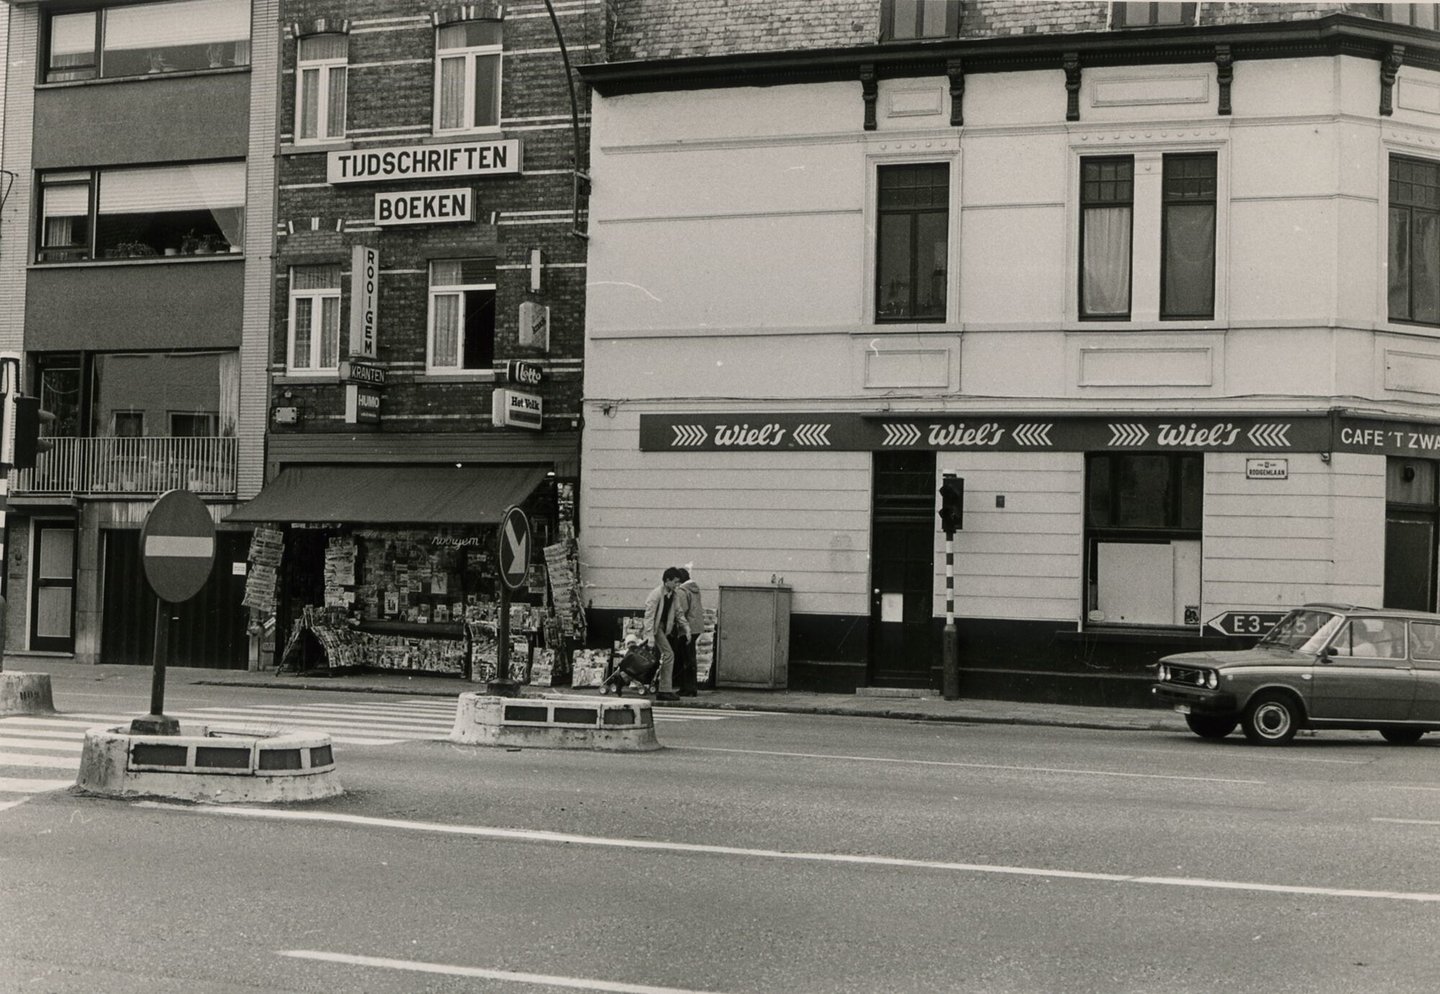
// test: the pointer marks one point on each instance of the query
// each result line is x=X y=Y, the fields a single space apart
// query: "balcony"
x=123 y=467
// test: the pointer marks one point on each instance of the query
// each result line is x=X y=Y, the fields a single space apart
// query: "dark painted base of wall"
x=1038 y=661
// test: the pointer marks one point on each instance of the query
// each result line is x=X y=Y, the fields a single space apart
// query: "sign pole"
x=156 y=723
x=950 y=642
x=502 y=685
x=512 y=546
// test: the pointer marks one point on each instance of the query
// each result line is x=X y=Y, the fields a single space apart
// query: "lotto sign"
x=514 y=541
x=178 y=545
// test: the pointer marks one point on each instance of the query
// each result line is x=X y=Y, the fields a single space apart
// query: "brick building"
x=135 y=268
x=428 y=297
x=1156 y=281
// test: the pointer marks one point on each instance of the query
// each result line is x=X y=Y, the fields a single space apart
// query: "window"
x=1414 y=254
x=1170 y=212
x=194 y=424
x=913 y=211
x=154 y=211
x=129 y=424
x=1149 y=15
x=1107 y=207
x=320 y=71
x=462 y=315
x=1143 y=524
x=467 y=76
x=192 y=394
x=902 y=20
x=314 y=319
x=1421 y=15
x=1187 y=235
x=1412 y=525
x=1372 y=638
x=140 y=39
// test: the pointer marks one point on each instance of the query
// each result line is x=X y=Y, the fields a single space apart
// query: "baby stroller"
x=640 y=667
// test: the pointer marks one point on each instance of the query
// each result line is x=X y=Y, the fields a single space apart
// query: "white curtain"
x=229 y=392
x=167 y=25
x=452 y=93
x=1190 y=262
x=445 y=342
x=1105 y=284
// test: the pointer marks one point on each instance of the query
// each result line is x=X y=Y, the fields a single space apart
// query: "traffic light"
x=952 y=503
x=30 y=424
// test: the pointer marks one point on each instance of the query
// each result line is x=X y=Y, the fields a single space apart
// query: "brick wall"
x=390 y=102
x=656 y=29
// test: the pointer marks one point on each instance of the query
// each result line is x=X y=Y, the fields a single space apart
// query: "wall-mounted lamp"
x=608 y=410
x=1325 y=457
x=537 y=269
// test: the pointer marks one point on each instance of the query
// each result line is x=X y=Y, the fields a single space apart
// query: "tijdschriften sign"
x=850 y=431
x=384 y=165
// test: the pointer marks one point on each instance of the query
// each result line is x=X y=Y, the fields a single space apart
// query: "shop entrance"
x=902 y=570
x=1411 y=517
x=210 y=627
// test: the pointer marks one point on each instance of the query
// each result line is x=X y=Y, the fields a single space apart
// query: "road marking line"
x=41 y=745
x=7 y=805
x=542 y=979
x=39 y=759
x=968 y=766
x=16 y=785
x=1407 y=821
x=89 y=721
x=652 y=845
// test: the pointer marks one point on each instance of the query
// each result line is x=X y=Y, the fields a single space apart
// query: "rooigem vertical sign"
x=364 y=294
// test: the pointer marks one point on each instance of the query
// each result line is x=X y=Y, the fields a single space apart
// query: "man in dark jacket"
x=687 y=597
x=664 y=628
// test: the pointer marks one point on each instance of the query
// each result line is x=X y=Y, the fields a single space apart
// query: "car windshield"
x=1304 y=630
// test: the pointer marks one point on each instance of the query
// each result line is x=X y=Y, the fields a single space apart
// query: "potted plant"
x=191 y=243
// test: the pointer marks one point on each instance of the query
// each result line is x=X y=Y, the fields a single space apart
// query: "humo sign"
x=423 y=162
x=424 y=207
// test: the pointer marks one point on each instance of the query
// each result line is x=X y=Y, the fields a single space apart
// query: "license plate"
x=1182 y=709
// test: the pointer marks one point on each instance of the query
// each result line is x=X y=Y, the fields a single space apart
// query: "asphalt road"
x=755 y=853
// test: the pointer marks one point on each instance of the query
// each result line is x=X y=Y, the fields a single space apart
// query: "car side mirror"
x=1327 y=653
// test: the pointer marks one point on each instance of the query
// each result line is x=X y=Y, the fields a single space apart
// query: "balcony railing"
x=123 y=466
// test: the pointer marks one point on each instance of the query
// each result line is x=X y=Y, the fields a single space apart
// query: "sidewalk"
x=869 y=704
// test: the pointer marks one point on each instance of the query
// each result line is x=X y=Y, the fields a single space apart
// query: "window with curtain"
x=913 y=242
x=1151 y=15
x=146 y=38
x=1414 y=250
x=182 y=393
x=902 y=20
x=467 y=76
x=462 y=315
x=1187 y=260
x=320 y=78
x=314 y=339
x=1107 y=207
x=1421 y=15
x=153 y=211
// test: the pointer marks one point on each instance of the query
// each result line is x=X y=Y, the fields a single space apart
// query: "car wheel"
x=1402 y=736
x=1209 y=726
x=1271 y=718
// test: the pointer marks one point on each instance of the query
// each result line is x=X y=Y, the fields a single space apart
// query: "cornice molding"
x=1335 y=34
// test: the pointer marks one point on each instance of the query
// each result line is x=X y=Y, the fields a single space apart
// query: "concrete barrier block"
x=556 y=722
x=232 y=764
x=25 y=693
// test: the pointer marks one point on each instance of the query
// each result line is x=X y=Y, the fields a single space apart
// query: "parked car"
x=1322 y=666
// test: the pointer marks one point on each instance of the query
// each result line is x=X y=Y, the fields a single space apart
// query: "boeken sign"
x=514 y=551
x=177 y=543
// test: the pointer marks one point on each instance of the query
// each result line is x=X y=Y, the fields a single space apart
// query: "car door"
x=1366 y=674
x=1425 y=658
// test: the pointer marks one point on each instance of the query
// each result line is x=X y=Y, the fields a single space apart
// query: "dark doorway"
x=1411 y=517
x=209 y=628
x=902 y=570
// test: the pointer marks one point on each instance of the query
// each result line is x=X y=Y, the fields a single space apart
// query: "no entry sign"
x=177 y=542
x=514 y=548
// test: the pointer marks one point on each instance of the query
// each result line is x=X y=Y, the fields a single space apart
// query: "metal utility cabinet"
x=754 y=626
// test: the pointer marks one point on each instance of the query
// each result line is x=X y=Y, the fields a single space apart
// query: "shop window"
x=1151 y=15
x=320 y=78
x=1414 y=253
x=1143 y=527
x=912 y=246
x=462 y=315
x=1187 y=205
x=141 y=39
x=1412 y=524
x=467 y=76
x=142 y=213
x=314 y=345
x=903 y=20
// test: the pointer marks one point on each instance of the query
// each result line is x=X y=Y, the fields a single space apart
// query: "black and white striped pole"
x=952 y=518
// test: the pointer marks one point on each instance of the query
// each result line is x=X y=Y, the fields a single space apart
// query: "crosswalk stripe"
x=18 y=785
x=279 y=713
x=40 y=745
x=39 y=759
x=289 y=719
